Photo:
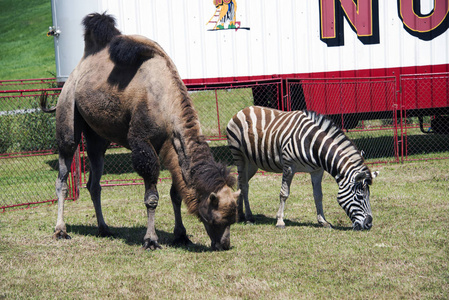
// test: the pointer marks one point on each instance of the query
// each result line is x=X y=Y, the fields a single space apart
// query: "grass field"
x=404 y=256
x=26 y=51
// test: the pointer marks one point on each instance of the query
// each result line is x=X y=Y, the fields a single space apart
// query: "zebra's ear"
x=374 y=174
x=360 y=176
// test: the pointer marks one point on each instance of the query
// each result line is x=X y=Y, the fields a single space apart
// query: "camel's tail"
x=43 y=103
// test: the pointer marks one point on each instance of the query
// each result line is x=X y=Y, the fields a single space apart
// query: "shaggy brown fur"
x=127 y=90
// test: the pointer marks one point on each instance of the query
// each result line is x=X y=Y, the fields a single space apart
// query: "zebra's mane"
x=349 y=148
x=325 y=124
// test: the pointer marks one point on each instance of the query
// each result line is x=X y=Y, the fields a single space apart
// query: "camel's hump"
x=99 y=30
x=132 y=49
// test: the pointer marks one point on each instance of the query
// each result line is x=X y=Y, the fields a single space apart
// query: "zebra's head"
x=353 y=197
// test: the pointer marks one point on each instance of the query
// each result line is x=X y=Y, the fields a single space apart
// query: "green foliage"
x=26 y=128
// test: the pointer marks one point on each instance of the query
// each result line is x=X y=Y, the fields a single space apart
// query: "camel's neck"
x=186 y=152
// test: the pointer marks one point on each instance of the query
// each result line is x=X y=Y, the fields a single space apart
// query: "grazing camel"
x=127 y=90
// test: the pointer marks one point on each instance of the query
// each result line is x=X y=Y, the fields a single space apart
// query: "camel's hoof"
x=182 y=241
x=150 y=245
x=106 y=233
x=241 y=219
x=280 y=226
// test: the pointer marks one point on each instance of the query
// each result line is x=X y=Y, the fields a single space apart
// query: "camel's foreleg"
x=180 y=231
x=146 y=163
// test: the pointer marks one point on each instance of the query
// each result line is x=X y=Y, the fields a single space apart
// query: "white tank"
x=68 y=33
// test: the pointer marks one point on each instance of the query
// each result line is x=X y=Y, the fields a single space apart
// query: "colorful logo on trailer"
x=225 y=15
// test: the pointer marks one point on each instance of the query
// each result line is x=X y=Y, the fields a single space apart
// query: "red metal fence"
x=390 y=124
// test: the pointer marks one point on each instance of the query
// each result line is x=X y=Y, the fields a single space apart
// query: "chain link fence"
x=28 y=163
x=391 y=119
x=363 y=107
x=215 y=105
x=424 y=106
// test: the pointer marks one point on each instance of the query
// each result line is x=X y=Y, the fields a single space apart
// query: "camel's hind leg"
x=96 y=147
x=146 y=163
x=65 y=161
x=68 y=135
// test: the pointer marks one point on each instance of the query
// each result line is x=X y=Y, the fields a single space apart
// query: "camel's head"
x=218 y=212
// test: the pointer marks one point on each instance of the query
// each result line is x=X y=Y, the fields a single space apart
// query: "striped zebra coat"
x=299 y=141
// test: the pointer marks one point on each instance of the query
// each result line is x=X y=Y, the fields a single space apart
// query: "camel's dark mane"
x=208 y=175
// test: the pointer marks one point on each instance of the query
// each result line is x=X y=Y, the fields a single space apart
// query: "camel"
x=127 y=90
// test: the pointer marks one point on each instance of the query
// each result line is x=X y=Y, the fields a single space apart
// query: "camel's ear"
x=360 y=176
x=214 y=199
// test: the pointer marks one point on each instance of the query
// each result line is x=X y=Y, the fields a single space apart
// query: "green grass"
x=27 y=179
x=405 y=255
x=26 y=51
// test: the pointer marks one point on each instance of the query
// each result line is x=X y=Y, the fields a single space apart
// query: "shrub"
x=27 y=129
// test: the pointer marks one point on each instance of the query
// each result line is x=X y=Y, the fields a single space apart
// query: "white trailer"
x=241 y=40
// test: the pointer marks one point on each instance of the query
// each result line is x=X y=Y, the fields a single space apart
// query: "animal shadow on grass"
x=133 y=236
x=264 y=220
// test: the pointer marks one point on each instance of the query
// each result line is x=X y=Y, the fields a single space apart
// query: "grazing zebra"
x=299 y=141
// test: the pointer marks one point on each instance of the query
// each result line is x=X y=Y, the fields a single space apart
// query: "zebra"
x=299 y=141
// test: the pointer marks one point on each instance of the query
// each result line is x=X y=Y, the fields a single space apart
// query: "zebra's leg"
x=317 y=177
x=287 y=176
x=245 y=172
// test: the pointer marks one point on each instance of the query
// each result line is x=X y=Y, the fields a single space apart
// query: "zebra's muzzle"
x=366 y=225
